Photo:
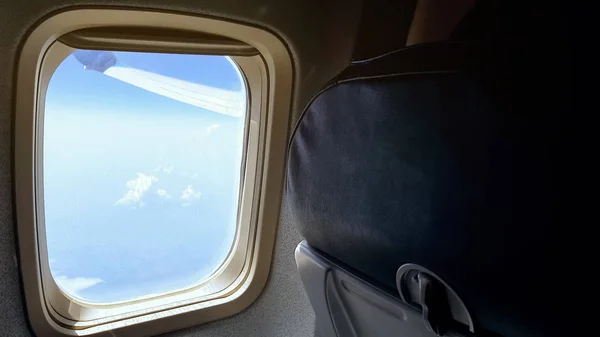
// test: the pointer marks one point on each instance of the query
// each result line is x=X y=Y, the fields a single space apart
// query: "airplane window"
x=148 y=182
x=142 y=162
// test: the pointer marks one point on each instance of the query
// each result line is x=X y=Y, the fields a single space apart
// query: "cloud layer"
x=212 y=128
x=137 y=188
x=189 y=194
x=73 y=285
x=163 y=194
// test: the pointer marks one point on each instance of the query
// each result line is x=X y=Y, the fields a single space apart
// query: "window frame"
x=242 y=277
x=69 y=310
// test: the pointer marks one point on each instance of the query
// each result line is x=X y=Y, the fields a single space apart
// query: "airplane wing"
x=231 y=103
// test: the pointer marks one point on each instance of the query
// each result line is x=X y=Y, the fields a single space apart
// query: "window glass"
x=142 y=158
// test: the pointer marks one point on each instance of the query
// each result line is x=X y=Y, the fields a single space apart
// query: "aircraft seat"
x=423 y=183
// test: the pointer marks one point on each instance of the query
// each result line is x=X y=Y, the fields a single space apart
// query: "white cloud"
x=212 y=128
x=165 y=169
x=73 y=285
x=203 y=133
x=163 y=194
x=137 y=188
x=188 y=195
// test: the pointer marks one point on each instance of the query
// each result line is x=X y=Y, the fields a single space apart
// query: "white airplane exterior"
x=226 y=102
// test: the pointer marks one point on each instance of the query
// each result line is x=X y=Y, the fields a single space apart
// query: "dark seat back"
x=444 y=156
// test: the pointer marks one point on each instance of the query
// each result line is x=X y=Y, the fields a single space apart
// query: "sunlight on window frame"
x=242 y=277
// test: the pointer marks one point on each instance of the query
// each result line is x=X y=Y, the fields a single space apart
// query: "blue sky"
x=140 y=190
